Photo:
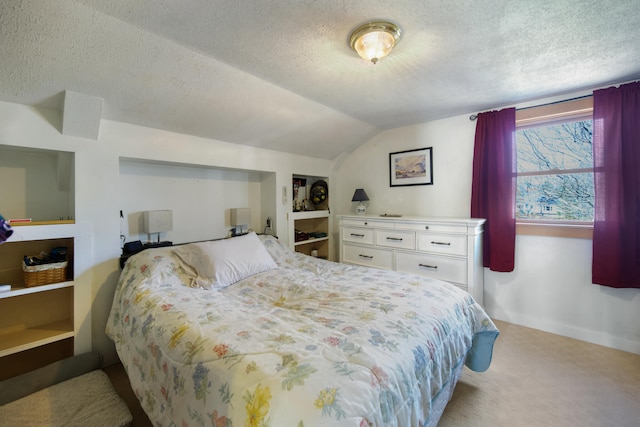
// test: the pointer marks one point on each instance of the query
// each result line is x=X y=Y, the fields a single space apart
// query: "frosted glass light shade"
x=373 y=41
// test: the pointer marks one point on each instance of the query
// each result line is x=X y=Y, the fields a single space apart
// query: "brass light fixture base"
x=374 y=40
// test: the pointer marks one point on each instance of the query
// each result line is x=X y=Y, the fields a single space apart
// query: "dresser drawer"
x=432 y=227
x=396 y=239
x=438 y=267
x=447 y=244
x=358 y=235
x=371 y=257
x=363 y=223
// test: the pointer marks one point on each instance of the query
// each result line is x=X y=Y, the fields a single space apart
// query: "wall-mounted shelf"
x=29 y=338
x=310 y=241
x=311 y=222
x=53 y=222
x=35 y=317
x=20 y=289
x=40 y=324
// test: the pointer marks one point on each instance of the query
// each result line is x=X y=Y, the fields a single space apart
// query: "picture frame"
x=299 y=193
x=411 y=167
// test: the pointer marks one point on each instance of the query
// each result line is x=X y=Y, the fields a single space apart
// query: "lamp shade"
x=240 y=216
x=360 y=196
x=158 y=221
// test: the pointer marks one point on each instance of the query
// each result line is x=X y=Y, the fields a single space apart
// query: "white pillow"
x=221 y=263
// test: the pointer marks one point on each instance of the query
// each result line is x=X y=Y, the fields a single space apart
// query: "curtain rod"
x=475 y=116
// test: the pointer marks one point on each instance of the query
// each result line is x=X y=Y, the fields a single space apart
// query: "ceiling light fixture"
x=374 y=40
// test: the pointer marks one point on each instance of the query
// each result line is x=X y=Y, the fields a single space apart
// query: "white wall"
x=368 y=167
x=193 y=194
x=550 y=288
x=99 y=196
x=28 y=190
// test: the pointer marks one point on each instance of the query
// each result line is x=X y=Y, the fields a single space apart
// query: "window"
x=554 y=184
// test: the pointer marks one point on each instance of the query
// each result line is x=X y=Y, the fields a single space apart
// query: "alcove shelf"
x=310 y=221
x=42 y=324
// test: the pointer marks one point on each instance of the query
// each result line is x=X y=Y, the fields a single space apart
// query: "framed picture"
x=299 y=193
x=411 y=167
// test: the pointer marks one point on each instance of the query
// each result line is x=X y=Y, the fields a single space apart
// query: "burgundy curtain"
x=616 y=157
x=493 y=186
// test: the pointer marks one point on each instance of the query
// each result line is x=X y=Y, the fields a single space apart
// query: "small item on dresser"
x=391 y=215
x=5 y=288
x=314 y=253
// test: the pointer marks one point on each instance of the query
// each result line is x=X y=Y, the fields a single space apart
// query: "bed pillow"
x=221 y=263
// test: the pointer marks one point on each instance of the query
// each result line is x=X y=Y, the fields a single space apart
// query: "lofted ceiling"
x=280 y=74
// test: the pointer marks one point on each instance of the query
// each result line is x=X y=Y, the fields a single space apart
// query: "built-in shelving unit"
x=35 y=326
x=306 y=223
x=39 y=324
x=310 y=222
x=35 y=320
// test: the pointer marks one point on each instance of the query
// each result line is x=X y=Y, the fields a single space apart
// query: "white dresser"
x=444 y=248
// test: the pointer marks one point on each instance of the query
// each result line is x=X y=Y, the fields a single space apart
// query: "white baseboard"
x=546 y=325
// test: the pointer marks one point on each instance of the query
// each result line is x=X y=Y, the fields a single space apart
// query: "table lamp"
x=239 y=218
x=360 y=196
x=158 y=222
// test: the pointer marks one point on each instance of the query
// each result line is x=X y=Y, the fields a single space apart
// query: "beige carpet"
x=541 y=379
x=536 y=379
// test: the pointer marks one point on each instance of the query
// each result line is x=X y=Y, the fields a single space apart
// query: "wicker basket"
x=44 y=274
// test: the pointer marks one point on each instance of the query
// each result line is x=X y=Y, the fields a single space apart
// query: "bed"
x=246 y=332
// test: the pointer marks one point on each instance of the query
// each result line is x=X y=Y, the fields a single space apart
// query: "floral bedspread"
x=311 y=343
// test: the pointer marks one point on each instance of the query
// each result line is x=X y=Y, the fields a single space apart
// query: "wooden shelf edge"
x=53 y=222
x=20 y=289
x=305 y=242
x=25 y=339
x=310 y=214
x=578 y=231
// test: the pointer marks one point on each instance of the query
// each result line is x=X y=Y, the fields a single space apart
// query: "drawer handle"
x=399 y=239
x=357 y=235
x=441 y=243
x=365 y=256
x=434 y=267
x=426 y=227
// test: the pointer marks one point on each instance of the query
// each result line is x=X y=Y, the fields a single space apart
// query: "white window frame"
x=575 y=109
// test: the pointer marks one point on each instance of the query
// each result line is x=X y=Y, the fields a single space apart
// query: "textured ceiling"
x=280 y=74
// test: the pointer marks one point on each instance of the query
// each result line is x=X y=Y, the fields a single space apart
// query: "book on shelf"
x=19 y=220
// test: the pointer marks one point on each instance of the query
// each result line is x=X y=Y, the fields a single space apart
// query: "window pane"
x=565 y=197
x=550 y=196
x=558 y=146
